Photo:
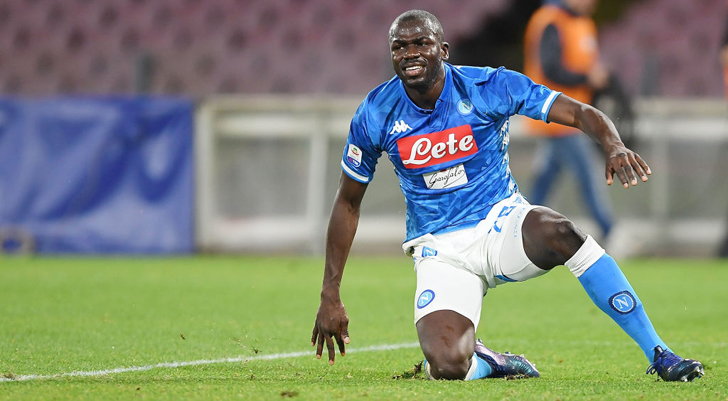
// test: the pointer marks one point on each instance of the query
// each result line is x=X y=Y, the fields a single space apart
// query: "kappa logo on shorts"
x=623 y=302
x=425 y=298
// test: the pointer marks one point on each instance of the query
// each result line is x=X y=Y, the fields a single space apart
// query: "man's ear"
x=445 y=50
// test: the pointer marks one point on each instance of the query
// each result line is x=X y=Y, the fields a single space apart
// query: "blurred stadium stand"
x=200 y=48
x=206 y=47
x=668 y=47
x=267 y=150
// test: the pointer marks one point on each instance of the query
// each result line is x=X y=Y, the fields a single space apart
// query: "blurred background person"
x=723 y=250
x=724 y=53
x=561 y=52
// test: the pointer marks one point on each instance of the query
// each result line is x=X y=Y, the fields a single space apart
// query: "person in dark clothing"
x=561 y=52
x=723 y=249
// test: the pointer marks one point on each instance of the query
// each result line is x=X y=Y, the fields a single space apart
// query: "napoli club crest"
x=623 y=302
x=465 y=107
x=425 y=298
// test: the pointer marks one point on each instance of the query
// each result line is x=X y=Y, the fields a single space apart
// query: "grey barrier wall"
x=268 y=168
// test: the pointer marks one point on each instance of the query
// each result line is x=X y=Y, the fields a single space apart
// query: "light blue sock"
x=611 y=292
x=483 y=369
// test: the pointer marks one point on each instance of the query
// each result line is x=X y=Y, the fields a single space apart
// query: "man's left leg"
x=550 y=240
x=609 y=289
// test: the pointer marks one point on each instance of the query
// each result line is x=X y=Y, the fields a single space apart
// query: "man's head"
x=418 y=48
x=581 y=7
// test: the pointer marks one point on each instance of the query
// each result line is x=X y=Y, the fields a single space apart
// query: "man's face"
x=417 y=54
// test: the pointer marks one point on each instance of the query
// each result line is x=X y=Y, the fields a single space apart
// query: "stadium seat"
x=201 y=48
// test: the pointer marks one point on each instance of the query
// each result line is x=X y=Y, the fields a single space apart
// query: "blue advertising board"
x=96 y=174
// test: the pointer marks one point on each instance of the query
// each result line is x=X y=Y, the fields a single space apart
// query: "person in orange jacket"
x=561 y=52
x=723 y=249
x=724 y=55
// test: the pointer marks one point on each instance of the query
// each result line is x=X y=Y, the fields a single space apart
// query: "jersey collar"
x=441 y=101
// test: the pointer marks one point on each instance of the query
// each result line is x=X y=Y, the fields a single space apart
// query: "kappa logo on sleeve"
x=353 y=155
x=440 y=147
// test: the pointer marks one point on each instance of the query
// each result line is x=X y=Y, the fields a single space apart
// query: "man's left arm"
x=623 y=162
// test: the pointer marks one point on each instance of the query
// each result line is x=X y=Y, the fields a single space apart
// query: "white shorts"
x=456 y=269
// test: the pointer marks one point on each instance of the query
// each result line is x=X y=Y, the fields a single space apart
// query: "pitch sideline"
x=173 y=365
x=383 y=347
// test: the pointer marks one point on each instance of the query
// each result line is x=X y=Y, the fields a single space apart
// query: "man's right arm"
x=331 y=319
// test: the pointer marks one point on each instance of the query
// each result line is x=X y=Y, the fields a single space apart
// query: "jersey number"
x=504 y=212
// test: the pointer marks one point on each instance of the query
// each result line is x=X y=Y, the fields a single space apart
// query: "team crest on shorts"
x=425 y=298
x=623 y=302
x=427 y=251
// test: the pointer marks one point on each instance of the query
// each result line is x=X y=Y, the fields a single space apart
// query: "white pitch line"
x=172 y=365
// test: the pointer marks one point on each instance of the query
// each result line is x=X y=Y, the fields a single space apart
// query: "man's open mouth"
x=413 y=70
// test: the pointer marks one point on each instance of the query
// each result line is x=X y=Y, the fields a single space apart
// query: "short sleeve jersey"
x=451 y=161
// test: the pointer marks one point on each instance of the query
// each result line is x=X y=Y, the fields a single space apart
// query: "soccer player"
x=445 y=130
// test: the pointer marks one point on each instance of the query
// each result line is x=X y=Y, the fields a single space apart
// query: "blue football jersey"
x=451 y=161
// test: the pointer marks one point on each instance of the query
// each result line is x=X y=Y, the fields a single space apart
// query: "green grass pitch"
x=66 y=324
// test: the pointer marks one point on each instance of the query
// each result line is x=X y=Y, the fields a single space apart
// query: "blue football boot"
x=672 y=368
x=507 y=364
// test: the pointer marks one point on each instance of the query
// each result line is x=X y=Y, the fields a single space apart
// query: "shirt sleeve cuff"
x=546 y=108
x=354 y=175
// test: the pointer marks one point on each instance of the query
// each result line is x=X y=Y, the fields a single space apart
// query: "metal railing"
x=268 y=167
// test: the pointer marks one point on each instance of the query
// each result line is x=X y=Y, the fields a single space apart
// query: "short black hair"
x=418 y=15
